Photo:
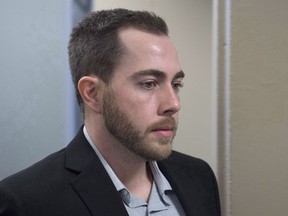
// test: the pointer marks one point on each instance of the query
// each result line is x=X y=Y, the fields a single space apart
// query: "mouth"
x=165 y=131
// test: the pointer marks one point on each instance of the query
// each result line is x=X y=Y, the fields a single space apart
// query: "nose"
x=169 y=101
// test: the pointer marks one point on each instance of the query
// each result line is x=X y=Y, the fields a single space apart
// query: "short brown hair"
x=94 y=46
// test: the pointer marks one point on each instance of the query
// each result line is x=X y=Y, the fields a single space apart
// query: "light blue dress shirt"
x=162 y=201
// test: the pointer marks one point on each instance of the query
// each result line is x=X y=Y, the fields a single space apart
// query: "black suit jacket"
x=73 y=182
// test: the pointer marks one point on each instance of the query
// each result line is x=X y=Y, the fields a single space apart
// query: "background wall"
x=190 y=24
x=253 y=117
x=32 y=75
x=38 y=109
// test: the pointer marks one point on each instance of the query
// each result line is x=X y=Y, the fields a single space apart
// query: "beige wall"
x=190 y=24
x=253 y=128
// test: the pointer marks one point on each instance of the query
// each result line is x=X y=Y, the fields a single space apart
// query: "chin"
x=159 y=154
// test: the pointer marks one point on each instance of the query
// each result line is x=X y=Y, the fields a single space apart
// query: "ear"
x=91 y=91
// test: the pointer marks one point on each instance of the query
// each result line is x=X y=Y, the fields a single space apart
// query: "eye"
x=177 y=85
x=149 y=84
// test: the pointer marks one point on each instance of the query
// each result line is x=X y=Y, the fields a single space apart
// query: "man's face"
x=141 y=103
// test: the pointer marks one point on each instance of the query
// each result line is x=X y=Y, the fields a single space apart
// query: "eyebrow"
x=157 y=74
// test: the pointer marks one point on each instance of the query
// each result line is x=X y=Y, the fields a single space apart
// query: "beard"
x=125 y=131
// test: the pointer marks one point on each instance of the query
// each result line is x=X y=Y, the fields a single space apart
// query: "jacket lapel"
x=92 y=183
x=184 y=187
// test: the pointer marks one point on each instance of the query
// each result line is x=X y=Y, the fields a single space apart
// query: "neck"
x=138 y=180
x=133 y=171
x=135 y=174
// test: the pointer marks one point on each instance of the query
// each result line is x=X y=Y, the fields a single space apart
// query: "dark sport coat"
x=73 y=182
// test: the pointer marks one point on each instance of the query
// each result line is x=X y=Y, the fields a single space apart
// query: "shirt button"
x=124 y=192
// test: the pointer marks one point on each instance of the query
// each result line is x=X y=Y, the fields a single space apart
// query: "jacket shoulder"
x=194 y=182
x=184 y=161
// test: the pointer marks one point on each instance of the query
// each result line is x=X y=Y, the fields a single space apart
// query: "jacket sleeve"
x=10 y=204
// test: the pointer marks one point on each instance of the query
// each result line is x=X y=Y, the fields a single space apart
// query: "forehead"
x=137 y=40
x=145 y=51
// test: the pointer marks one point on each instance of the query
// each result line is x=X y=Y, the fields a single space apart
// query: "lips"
x=165 y=128
x=166 y=131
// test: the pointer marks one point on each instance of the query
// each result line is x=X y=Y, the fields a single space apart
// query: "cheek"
x=138 y=103
x=138 y=107
x=139 y=110
x=135 y=100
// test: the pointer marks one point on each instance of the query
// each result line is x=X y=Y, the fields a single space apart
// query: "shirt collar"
x=161 y=182
x=118 y=184
x=159 y=179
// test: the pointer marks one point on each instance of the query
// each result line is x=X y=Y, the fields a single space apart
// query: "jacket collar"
x=185 y=178
x=92 y=182
x=98 y=192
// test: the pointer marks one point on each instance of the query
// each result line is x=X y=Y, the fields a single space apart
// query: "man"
x=127 y=77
